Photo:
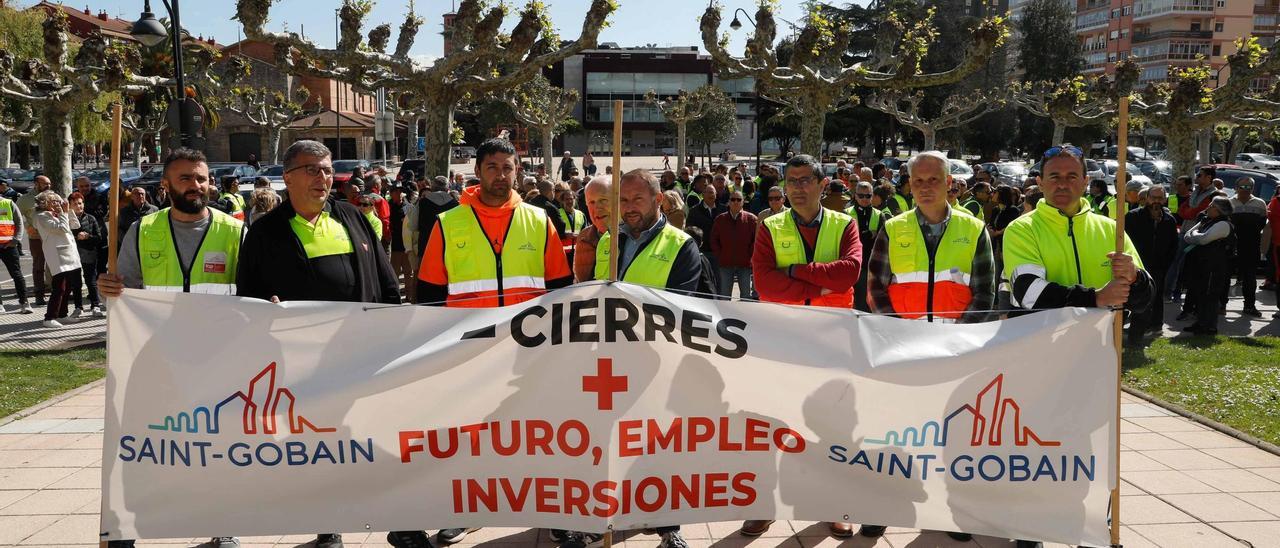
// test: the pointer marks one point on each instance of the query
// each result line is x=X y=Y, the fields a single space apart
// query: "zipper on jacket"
x=498 y=260
x=929 y=303
x=1071 y=233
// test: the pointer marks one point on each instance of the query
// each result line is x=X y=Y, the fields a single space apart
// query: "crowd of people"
x=915 y=243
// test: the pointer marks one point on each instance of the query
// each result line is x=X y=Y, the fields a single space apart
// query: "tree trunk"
x=277 y=133
x=1206 y=146
x=1059 y=133
x=1231 y=146
x=24 y=154
x=1182 y=149
x=548 y=150
x=682 y=145
x=439 y=136
x=412 y=136
x=811 y=133
x=55 y=147
x=930 y=137
x=137 y=150
x=4 y=149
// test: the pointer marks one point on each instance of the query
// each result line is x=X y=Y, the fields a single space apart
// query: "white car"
x=1011 y=173
x=1130 y=170
x=1258 y=161
x=960 y=171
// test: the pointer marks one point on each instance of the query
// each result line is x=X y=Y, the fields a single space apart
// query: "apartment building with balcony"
x=1161 y=34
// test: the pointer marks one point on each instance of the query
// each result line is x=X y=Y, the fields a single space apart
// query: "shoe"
x=869 y=531
x=1183 y=316
x=455 y=535
x=962 y=537
x=755 y=527
x=575 y=539
x=26 y=309
x=80 y=312
x=119 y=544
x=51 y=324
x=1029 y=544
x=558 y=536
x=329 y=540
x=409 y=539
x=673 y=539
x=1252 y=311
x=98 y=312
x=40 y=303
x=225 y=542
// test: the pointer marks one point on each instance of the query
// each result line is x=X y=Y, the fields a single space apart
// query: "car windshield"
x=1091 y=165
x=1011 y=169
x=960 y=168
x=272 y=171
x=345 y=166
x=24 y=175
x=155 y=171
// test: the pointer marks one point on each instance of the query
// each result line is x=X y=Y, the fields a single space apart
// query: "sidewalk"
x=1184 y=485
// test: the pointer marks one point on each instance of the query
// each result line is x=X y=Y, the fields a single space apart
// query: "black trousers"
x=1246 y=266
x=1205 y=289
x=9 y=255
x=89 y=278
x=60 y=293
x=1153 y=317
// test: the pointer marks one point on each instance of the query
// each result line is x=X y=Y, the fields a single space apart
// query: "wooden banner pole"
x=113 y=201
x=614 y=189
x=1122 y=204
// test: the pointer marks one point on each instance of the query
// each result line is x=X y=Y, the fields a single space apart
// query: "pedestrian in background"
x=89 y=237
x=55 y=223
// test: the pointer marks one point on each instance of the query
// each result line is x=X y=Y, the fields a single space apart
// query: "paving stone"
x=70 y=412
x=726 y=529
x=1235 y=480
x=1177 y=535
x=1134 y=461
x=87 y=478
x=45 y=441
x=1186 y=459
x=1269 y=501
x=78 y=426
x=1218 y=507
x=1137 y=410
x=13 y=529
x=31 y=426
x=1147 y=441
x=1246 y=457
x=7 y=440
x=52 y=501
x=68 y=530
x=49 y=458
x=1259 y=533
x=31 y=478
x=1205 y=439
x=1146 y=509
x=1167 y=424
x=1166 y=482
x=11 y=496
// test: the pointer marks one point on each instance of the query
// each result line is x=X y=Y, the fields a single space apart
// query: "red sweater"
x=808 y=280
x=732 y=239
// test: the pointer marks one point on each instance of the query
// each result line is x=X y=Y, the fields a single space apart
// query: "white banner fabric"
x=596 y=406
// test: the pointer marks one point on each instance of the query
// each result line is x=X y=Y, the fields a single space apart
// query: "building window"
x=1124 y=32
x=1127 y=10
x=1195 y=26
x=1217 y=50
x=1115 y=14
x=1217 y=27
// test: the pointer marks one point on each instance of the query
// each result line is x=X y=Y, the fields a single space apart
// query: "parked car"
x=1264 y=182
x=22 y=180
x=219 y=170
x=101 y=178
x=1132 y=171
x=1010 y=173
x=1132 y=153
x=1159 y=171
x=418 y=167
x=342 y=169
x=1092 y=169
x=960 y=171
x=1258 y=161
x=464 y=153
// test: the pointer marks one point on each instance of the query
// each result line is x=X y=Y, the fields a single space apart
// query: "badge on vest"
x=957 y=276
x=215 y=262
x=527 y=247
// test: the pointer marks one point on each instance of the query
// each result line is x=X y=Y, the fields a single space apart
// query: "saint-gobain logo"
x=988 y=422
x=261 y=404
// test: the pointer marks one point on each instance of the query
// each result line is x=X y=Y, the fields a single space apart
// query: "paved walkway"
x=1184 y=485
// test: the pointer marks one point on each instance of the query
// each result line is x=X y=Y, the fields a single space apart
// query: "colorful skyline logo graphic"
x=260 y=410
x=989 y=412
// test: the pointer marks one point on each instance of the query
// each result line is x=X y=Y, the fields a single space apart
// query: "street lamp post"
x=735 y=25
x=151 y=33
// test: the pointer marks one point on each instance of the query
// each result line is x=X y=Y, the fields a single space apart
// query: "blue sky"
x=637 y=22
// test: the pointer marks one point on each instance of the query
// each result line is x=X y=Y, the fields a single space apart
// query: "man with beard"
x=1154 y=231
x=188 y=247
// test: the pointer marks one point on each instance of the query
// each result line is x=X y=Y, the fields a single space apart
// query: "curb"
x=51 y=401
x=1206 y=421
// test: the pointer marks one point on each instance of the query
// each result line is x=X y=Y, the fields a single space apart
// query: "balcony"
x=1092 y=20
x=1155 y=8
x=1139 y=38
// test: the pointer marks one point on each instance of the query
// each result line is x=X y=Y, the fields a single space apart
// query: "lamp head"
x=148 y=30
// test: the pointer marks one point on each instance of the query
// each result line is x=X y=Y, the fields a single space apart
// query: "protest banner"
x=598 y=406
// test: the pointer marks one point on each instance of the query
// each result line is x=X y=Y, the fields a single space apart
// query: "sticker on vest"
x=527 y=247
x=957 y=276
x=215 y=262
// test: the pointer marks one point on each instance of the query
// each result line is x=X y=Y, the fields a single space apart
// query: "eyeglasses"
x=735 y=199
x=314 y=169
x=775 y=198
x=1074 y=151
x=863 y=196
x=1245 y=187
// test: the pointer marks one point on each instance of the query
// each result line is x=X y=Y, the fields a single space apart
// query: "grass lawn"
x=1235 y=381
x=30 y=377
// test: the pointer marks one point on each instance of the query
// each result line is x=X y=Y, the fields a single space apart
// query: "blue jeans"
x=727 y=276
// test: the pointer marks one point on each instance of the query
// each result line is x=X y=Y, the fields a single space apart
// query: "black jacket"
x=88 y=247
x=553 y=212
x=1156 y=242
x=272 y=261
x=430 y=206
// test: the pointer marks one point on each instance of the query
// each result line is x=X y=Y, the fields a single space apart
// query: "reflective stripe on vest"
x=913 y=281
x=237 y=205
x=876 y=214
x=7 y=226
x=651 y=266
x=212 y=270
x=789 y=249
x=474 y=267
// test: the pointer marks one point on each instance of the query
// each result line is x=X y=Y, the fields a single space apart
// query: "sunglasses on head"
x=1072 y=150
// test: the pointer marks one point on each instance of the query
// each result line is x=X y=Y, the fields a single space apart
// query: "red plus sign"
x=604 y=384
